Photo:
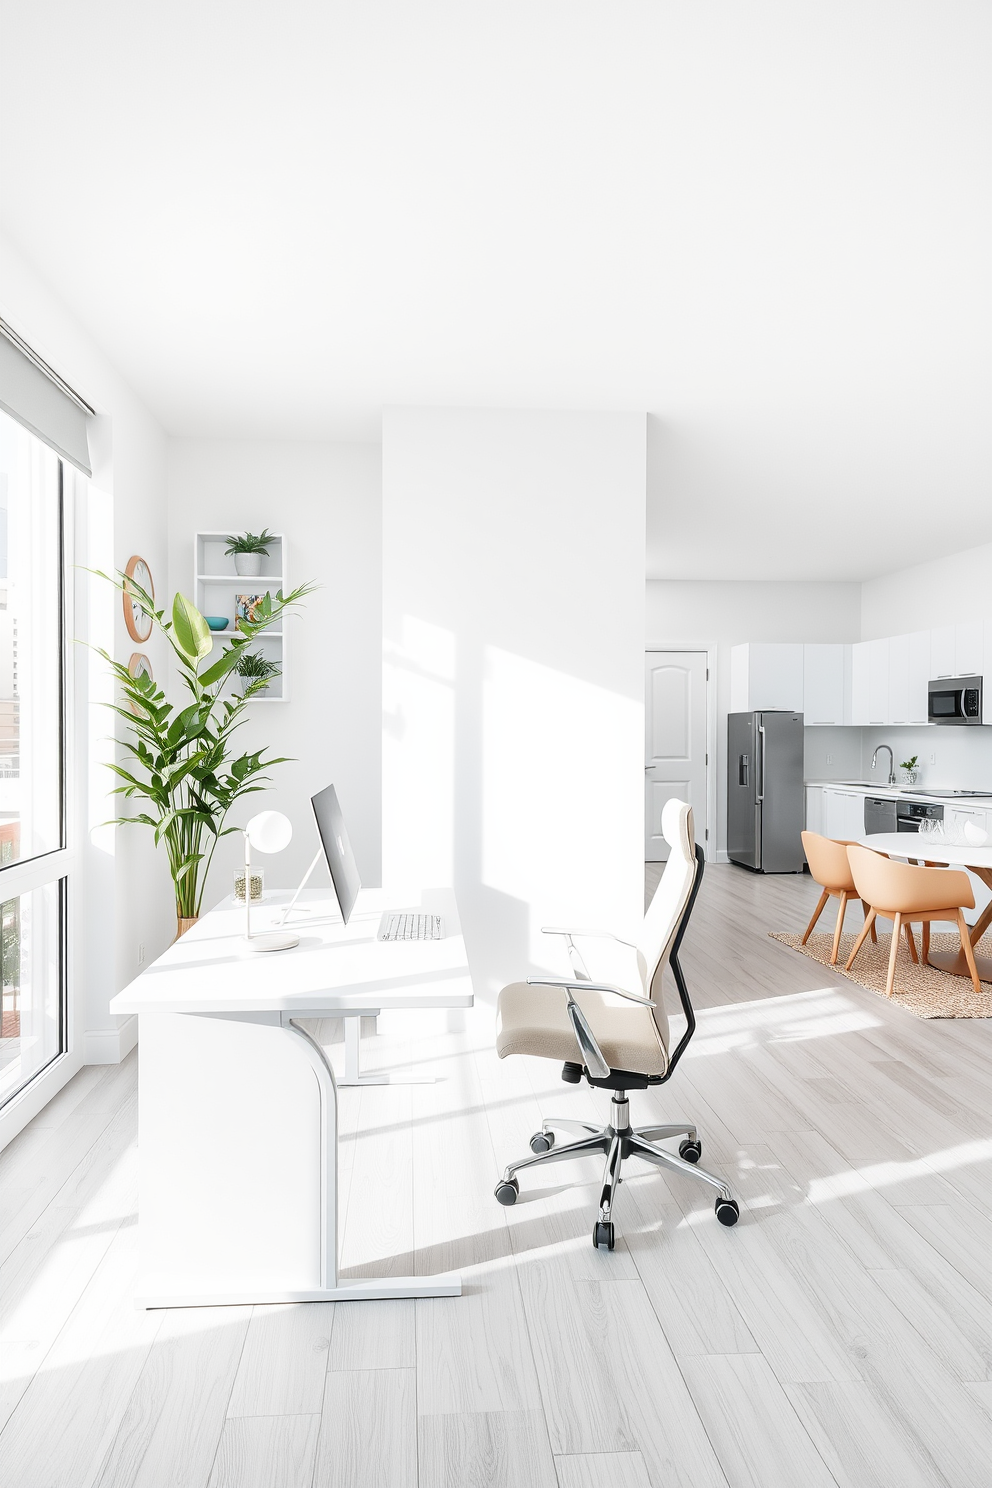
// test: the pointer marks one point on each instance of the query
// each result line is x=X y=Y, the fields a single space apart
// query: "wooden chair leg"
x=912 y=943
x=868 y=926
x=969 y=951
x=842 y=910
x=816 y=915
x=874 y=932
x=893 y=948
x=925 y=937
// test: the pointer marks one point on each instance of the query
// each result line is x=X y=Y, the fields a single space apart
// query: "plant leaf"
x=190 y=630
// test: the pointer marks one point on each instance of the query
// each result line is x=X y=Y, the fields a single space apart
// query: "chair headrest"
x=676 y=826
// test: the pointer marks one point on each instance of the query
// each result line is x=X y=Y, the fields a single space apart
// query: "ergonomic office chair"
x=617 y=1039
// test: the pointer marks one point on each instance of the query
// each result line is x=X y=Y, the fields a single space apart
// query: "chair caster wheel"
x=507 y=1191
x=690 y=1151
x=542 y=1142
x=727 y=1211
x=602 y=1234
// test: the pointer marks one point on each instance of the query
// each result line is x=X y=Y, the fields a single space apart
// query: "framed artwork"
x=247 y=607
x=139 y=663
x=136 y=617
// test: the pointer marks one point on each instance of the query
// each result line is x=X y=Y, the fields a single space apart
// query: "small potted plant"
x=910 y=766
x=249 y=550
x=255 y=672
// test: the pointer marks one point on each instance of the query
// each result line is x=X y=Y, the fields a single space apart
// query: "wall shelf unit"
x=215 y=590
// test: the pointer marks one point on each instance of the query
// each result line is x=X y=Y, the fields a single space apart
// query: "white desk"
x=927 y=849
x=237 y=1105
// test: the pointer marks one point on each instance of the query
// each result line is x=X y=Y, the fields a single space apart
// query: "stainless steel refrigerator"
x=766 y=803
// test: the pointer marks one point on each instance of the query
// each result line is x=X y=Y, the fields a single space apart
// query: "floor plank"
x=266 y=1452
x=368 y=1430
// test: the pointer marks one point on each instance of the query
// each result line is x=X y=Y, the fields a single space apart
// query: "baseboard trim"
x=110 y=1045
x=722 y=856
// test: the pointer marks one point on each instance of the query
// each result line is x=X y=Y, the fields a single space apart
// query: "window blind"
x=39 y=399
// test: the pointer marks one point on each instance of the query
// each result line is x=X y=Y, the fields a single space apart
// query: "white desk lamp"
x=269 y=832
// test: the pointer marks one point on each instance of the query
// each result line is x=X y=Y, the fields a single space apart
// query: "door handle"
x=761 y=763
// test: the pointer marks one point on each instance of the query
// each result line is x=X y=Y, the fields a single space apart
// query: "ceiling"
x=766 y=224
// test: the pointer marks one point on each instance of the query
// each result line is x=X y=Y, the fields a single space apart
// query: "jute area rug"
x=922 y=990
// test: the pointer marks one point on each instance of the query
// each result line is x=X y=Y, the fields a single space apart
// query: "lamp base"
x=278 y=941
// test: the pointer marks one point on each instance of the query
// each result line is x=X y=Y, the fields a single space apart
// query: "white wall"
x=122 y=894
x=721 y=614
x=513 y=622
x=326 y=499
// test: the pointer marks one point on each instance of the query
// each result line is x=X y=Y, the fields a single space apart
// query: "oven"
x=888 y=814
x=955 y=700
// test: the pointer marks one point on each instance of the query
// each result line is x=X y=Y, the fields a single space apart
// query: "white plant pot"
x=247 y=565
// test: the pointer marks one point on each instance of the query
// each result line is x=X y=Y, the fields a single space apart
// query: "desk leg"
x=238 y=1153
x=353 y=1074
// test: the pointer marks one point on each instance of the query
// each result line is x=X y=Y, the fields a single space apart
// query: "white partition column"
x=513 y=635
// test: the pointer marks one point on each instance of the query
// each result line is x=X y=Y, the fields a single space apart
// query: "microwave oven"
x=955 y=700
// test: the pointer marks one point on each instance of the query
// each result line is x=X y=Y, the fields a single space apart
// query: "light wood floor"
x=841 y=1334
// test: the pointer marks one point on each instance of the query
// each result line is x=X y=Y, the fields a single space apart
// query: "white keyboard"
x=402 y=926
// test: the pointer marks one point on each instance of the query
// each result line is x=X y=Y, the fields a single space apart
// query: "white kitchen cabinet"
x=814 y=809
x=878 y=681
x=919 y=676
x=859 y=682
x=909 y=673
x=826 y=684
x=942 y=651
x=958 y=650
x=843 y=813
x=766 y=675
x=899 y=679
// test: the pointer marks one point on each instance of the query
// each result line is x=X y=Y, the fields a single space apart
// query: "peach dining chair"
x=903 y=893
x=827 y=859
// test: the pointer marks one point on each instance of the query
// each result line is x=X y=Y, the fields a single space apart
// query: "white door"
x=675 y=742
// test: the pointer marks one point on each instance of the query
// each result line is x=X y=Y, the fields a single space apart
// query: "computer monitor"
x=337 y=849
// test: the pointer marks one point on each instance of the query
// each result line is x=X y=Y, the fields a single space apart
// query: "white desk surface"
x=334 y=968
x=934 y=849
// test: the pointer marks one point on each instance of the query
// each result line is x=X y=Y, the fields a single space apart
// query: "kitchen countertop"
x=904 y=792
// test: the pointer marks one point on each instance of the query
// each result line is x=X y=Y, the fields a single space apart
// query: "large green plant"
x=182 y=763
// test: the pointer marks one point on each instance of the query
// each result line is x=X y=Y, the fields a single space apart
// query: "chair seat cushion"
x=534 y=1020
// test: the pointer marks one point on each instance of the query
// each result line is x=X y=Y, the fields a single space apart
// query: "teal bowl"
x=217 y=622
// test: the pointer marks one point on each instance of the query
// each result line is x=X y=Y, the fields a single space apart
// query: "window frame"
x=56 y=865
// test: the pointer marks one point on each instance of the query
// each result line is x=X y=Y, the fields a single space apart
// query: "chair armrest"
x=577 y=985
x=587 y=934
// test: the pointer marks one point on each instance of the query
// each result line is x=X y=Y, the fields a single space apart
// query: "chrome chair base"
x=617 y=1142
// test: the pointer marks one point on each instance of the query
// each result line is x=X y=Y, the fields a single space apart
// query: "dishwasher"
x=883 y=814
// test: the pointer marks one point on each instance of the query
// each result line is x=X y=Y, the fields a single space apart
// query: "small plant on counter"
x=910 y=766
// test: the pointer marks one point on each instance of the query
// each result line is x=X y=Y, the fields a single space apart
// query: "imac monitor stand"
x=335 y=846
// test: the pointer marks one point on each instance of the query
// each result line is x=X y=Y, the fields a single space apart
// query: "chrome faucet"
x=892 y=768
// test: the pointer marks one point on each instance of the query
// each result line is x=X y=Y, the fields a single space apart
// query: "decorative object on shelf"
x=248 y=607
x=249 y=551
x=138 y=581
x=910 y=766
x=257 y=884
x=254 y=670
x=139 y=665
x=181 y=762
x=217 y=622
x=268 y=832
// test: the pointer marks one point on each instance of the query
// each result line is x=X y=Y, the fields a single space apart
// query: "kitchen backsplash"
x=962 y=756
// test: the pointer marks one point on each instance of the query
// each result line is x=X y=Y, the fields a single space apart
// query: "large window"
x=32 y=758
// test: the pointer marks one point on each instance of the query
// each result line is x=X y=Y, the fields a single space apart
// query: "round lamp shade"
x=270 y=831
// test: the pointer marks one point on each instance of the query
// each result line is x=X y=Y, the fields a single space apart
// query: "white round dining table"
x=938 y=852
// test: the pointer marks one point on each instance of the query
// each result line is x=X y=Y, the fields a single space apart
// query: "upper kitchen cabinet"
x=766 y=675
x=958 y=650
x=870 y=682
x=826 y=684
x=909 y=673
